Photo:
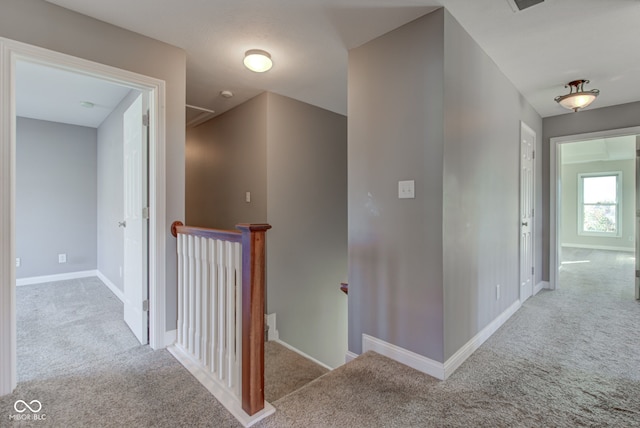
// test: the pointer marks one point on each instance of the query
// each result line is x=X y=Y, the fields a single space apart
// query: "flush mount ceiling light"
x=577 y=97
x=87 y=104
x=258 y=60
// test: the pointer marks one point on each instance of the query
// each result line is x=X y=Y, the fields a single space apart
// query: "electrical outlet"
x=498 y=292
x=18 y=261
x=247 y=197
x=62 y=258
x=406 y=189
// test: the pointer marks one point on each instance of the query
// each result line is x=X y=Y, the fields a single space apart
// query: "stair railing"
x=220 y=326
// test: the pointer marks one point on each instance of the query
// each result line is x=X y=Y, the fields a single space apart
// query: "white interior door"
x=527 y=202
x=135 y=221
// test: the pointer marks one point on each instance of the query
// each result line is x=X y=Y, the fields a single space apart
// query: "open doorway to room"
x=149 y=303
x=74 y=172
x=596 y=235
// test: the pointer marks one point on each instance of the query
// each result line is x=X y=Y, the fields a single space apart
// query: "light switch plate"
x=406 y=189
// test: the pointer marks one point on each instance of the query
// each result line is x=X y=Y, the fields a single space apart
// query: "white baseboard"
x=57 y=277
x=601 y=247
x=226 y=398
x=115 y=290
x=542 y=285
x=431 y=367
x=170 y=337
x=471 y=346
x=308 y=357
x=404 y=356
x=350 y=356
x=273 y=334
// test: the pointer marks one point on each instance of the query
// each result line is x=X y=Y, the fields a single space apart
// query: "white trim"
x=230 y=402
x=471 y=346
x=8 y=377
x=434 y=368
x=114 y=289
x=272 y=333
x=542 y=285
x=57 y=277
x=350 y=356
x=617 y=204
x=170 y=337
x=404 y=356
x=599 y=247
x=555 y=163
x=10 y=52
x=307 y=356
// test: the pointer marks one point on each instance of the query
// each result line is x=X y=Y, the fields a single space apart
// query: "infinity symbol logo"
x=35 y=409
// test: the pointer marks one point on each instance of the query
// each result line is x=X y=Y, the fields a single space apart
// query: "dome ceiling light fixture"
x=577 y=97
x=258 y=60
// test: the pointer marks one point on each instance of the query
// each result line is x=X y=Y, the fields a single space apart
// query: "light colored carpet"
x=286 y=371
x=68 y=323
x=567 y=358
x=80 y=360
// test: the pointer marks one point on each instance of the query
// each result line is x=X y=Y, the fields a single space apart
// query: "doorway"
x=11 y=53
x=593 y=198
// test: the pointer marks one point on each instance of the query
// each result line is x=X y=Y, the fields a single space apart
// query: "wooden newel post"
x=253 y=292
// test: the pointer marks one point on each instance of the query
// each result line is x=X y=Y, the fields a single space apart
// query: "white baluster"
x=237 y=381
x=204 y=285
x=192 y=295
x=179 y=326
x=231 y=313
x=197 y=313
x=221 y=310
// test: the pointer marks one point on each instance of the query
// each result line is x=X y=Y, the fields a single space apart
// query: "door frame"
x=534 y=288
x=10 y=52
x=555 y=184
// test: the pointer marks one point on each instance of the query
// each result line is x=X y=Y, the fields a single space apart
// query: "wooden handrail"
x=225 y=235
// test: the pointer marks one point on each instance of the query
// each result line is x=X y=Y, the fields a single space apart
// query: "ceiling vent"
x=518 y=5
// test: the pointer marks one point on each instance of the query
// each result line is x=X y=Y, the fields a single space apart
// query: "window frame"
x=617 y=204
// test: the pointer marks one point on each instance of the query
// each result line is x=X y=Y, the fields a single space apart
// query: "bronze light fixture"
x=577 y=97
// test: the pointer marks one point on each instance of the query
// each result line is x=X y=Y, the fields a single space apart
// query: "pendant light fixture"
x=258 y=60
x=577 y=97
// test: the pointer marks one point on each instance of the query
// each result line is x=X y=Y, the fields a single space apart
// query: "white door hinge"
x=145 y=120
x=145 y=212
x=145 y=305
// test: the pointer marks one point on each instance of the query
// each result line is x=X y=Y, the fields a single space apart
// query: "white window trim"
x=618 y=204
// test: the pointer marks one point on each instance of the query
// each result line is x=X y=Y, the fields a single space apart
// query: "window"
x=599 y=204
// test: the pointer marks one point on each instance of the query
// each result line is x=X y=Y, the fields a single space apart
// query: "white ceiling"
x=539 y=49
x=55 y=95
x=607 y=149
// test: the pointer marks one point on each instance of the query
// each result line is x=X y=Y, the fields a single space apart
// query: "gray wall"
x=422 y=272
x=43 y=24
x=292 y=157
x=226 y=157
x=395 y=113
x=55 y=197
x=307 y=207
x=481 y=187
x=586 y=121
x=569 y=195
x=111 y=192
